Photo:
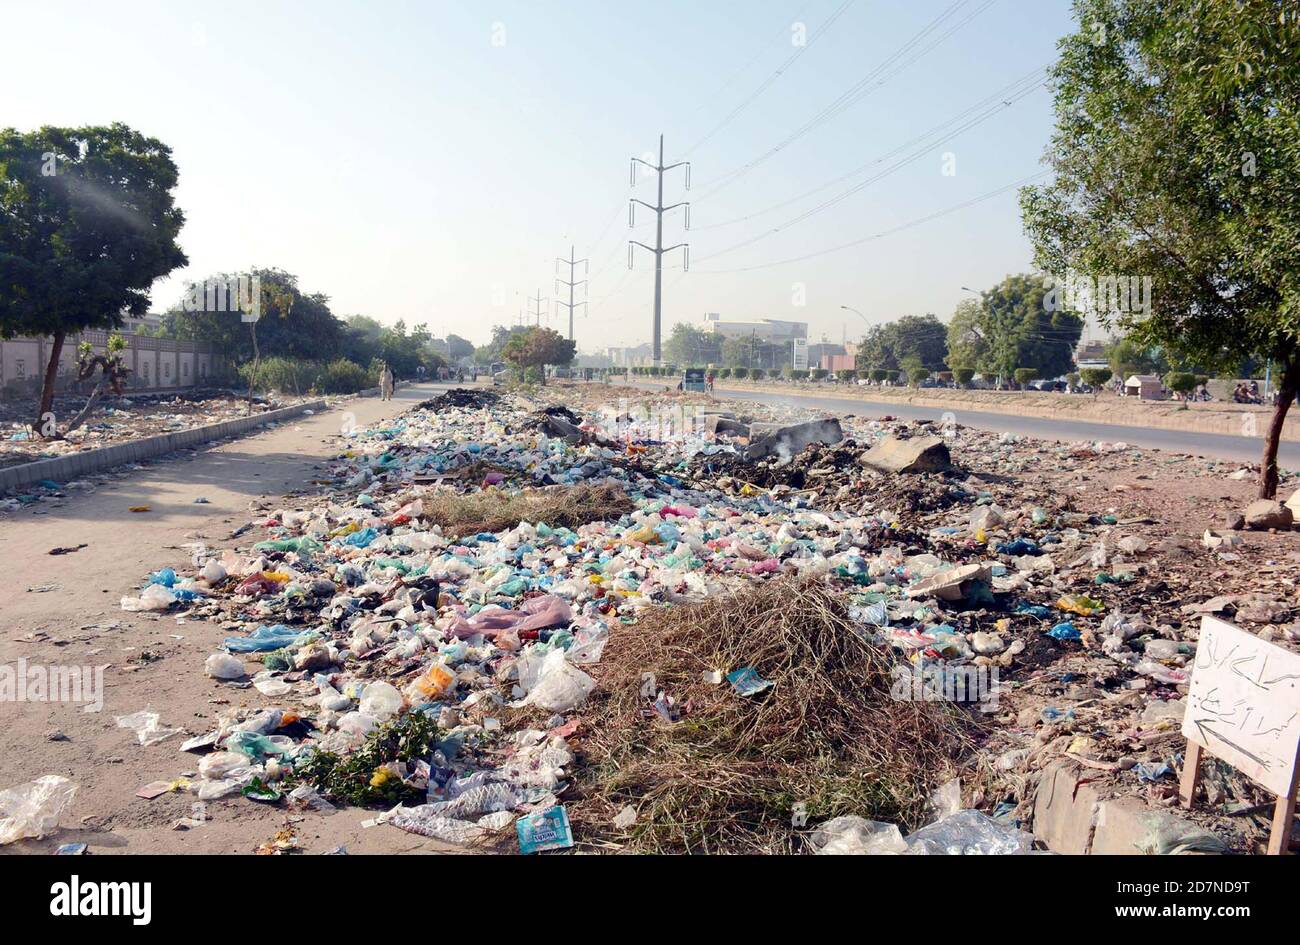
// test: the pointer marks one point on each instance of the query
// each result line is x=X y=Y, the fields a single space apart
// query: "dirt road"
x=64 y=611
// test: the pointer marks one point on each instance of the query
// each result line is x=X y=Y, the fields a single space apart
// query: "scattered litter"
x=145 y=724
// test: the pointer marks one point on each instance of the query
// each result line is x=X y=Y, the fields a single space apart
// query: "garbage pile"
x=482 y=623
x=118 y=419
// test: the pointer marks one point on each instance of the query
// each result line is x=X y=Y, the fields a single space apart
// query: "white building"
x=764 y=329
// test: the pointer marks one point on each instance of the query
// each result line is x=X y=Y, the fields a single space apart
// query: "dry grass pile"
x=727 y=776
x=492 y=510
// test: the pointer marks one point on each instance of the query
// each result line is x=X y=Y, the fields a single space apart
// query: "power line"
x=855 y=93
x=1002 y=98
x=758 y=55
x=883 y=233
x=780 y=70
x=861 y=185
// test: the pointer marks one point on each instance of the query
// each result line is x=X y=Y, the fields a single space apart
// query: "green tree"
x=1175 y=159
x=292 y=324
x=458 y=347
x=964 y=375
x=537 y=347
x=1127 y=357
x=1095 y=378
x=1022 y=331
x=690 y=346
x=919 y=339
x=1024 y=375
x=966 y=345
x=87 y=223
x=490 y=353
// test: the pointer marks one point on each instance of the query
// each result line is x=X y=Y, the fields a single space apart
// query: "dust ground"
x=153 y=661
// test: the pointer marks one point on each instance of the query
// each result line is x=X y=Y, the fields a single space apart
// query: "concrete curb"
x=64 y=468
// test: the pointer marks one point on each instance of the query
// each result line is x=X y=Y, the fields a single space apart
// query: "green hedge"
x=298 y=376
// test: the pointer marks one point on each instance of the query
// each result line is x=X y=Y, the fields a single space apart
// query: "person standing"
x=385 y=382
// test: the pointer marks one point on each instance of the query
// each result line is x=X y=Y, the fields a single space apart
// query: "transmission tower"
x=537 y=312
x=658 y=248
x=572 y=264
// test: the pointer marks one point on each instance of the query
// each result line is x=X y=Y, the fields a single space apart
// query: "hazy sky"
x=428 y=161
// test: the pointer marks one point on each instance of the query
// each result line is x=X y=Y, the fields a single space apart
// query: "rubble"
x=788 y=440
x=1263 y=514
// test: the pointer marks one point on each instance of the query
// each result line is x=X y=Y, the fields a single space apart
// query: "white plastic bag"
x=33 y=809
x=224 y=666
x=969 y=832
x=154 y=597
x=857 y=836
x=560 y=686
x=147 y=727
x=380 y=700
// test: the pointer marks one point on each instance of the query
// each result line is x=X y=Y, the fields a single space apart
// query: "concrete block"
x=1064 y=809
x=917 y=454
x=1128 y=827
x=725 y=423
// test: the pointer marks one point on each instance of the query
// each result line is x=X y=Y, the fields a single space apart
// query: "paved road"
x=64 y=611
x=1237 y=448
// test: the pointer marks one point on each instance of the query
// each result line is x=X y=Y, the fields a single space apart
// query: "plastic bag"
x=380 y=699
x=560 y=686
x=32 y=810
x=857 y=836
x=154 y=597
x=224 y=666
x=146 y=726
x=945 y=800
x=969 y=832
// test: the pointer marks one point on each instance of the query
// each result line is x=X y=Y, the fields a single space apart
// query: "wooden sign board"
x=1243 y=706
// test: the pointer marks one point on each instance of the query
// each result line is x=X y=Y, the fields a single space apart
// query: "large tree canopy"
x=537 y=347
x=1010 y=329
x=1177 y=158
x=912 y=342
x=688 y=345
x=87 y=223
x=292 y=324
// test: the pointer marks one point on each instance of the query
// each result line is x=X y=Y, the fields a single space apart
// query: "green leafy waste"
x=361 y=778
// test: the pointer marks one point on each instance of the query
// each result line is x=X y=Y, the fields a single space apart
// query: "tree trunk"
x=1287 y=388
x=257 y=361
x=95 y=394
x=47 y=387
